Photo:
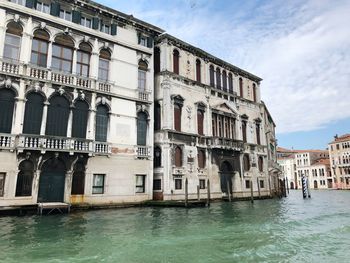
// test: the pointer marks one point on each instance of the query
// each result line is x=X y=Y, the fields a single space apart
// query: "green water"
x=286 y=230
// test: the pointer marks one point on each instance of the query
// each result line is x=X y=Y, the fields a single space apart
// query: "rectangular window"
x=261 y=183
x=2 y=183
x=98 y=184
x=142 y=80
x=337 y=146
x=143 y=41
x=157 y=184
x=83 y=63
x=178 y=184
x=62 y=58
x=105 y=28
x=202 y=184
x=12 y=46
x=85 y=22
x=247 y=184
x=45 y=8
x=39 y=52
x=65 y=15
x=140 y=183
x=103 y=69
x=20 y=2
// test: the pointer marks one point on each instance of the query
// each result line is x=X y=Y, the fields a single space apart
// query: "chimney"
x=336 y=136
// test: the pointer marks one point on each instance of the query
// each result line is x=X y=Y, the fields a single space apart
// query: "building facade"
x=210 y=126
x=76 y=90
x=339 y=151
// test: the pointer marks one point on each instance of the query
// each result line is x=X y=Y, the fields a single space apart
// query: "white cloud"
x=300 y=49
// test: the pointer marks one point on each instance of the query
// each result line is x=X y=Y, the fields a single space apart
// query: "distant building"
x=339 y=151
x=312 y=163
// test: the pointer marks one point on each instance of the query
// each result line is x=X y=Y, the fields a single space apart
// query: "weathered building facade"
x=76 y=92
x=210 y=126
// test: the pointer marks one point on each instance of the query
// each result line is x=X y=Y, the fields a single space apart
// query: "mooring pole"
x=287 y=185
x=270 y=186
x=304 y=186
x=251 y=192
x=208 y=192
x=308 y=187
x=186 y=192
x=198 y=193
x=228 y=190
x=257 y=181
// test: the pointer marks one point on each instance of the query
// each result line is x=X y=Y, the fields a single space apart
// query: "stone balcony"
x=33 y=72
x=51 y=143
x=225 y=143
x=143 y=152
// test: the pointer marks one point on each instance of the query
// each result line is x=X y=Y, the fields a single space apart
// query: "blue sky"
x=300 y=48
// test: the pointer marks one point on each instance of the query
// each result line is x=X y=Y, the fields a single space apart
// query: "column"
x=49 y=54
x=2 y=30
x=74 y=62
x=70 y=122
x=17 y=121
x=26 y=43
x=44 y=118
x=91 y=120
x=167 y=106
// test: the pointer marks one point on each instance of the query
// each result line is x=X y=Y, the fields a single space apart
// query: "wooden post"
x=208 y=192
x=228 y=190
x=287 y=183
x=186 y=192
x=270 y=186
x=198 y=193
x=257 y=181
x=251 y=192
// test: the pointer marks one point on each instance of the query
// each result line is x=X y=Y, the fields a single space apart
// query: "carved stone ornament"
x=61 y=91
x=86 y=39
x=67 y=31
x=37 y=86
x=16 y=18
x=103 y=101
x=82 y=95
x=42 y=25
x=8 y=83
x=28 y=154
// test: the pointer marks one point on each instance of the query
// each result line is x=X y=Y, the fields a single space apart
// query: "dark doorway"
x=291 y=185
x=78 y=182
x=315 y=184
x=226 y=174
x=52 y=181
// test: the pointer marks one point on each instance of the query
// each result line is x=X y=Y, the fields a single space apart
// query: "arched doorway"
x=291 y=185
x=52 y=181
x=315 y=184
x=226 y=174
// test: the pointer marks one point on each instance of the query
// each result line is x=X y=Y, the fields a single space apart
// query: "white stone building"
x=76 y=92
x=339 y=151
x=210 y=124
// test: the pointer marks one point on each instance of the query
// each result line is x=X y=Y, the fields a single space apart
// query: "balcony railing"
x=10 y=66
x=102 y=148
x=144 y=95
x=228 y=143
x=143 y=151
x=7 y=141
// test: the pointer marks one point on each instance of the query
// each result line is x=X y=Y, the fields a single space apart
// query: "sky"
x=301 y=49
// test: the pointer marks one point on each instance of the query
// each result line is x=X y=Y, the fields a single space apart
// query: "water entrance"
x=52 y=181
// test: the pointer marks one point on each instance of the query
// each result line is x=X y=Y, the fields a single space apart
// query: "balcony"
x=143 y=152
x=144 y=95
x=7 y=142
x=227 y=143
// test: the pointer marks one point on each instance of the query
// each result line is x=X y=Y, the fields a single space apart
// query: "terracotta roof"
x=343 y=138
x=311 y=151
x=324 y=161
x=280 y=149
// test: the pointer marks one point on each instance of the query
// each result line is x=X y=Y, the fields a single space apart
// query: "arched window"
x=240 y=87
x=157 y=116
x=177 y=116
x=25 y=179
x=101 y=123
x=257 y=126
x=57 y=116
x=80 y=119
x=157 y=161
x=62 y=54
x=33 y=113
x=201 y=158
x=142 y=75
x=224 y=81
x=103 y=65
x=78 y=180
x=218 y=78
x=7 y=102
x=198 y=70
x=12 y=45
x=246 y=162
x=156 y=64
x=40 y=46
x=211 y=76
x=176 y=58
x=200 y=120
x=244 y=131
x=83 y=59
x=254 y=92
x=230 y=83
x=261 y=164
x=178 y=157
x=141 y=128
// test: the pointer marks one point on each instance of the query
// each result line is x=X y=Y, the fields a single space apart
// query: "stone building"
x=339 y=152
x=210 y=126
x=76 y=96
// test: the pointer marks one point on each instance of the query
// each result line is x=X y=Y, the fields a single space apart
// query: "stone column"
x=17 y=122
x=91 y=120
x=167 y=106
x=2 y=29
x=26 y=42
x=74 y=62
x=44 y=118
x=70 y=122
x=68 y=186
x=49 y=54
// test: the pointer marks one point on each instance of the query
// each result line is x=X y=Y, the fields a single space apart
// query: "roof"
x=201 y=53
x=324 y=161
x=343 y=138
x=285 y=150
x=281 y=149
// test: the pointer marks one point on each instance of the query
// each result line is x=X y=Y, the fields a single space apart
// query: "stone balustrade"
x=7 y=141
x=143 y=151
x=227 y=143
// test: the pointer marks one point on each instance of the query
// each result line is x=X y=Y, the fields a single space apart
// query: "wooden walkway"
x=51 y=207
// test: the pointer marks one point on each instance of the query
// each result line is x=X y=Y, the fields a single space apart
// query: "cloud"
x=300 y=49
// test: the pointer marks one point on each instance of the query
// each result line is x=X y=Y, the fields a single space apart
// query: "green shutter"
x=95 y=22
x=31 y=3
x=114 y=29
x=76 y=17
x=138 y=38
x=55 y=9
x=149 y=42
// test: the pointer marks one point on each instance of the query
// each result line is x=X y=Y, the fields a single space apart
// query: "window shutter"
x=113 y=29
x=138 y=38
x=55 y=9
x=149 y=42
x=95 y=22
x=76 y=17
x=31 y=3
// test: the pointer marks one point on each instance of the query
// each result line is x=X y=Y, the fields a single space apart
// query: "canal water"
x=279 y=230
